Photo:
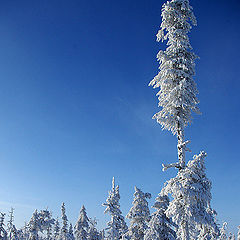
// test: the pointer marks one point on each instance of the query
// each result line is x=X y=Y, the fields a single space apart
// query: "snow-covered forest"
x=182 y=209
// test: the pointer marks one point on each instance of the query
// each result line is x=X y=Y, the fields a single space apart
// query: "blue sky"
x=75 y=106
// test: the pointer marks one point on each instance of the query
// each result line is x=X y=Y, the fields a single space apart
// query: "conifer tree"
x=82 y=225
x=34 y=226
x=231 y=236
x=223 y=232
x=177 y=95
x=64 y=229
x=70 y=232
x=14 y=235
x=139 y=215
x=10 y=223
x=3 y=232
x=238 y=236
x=25 y=231
x=160 y=226
x=190 y=208
x=93 y=233
x=56 y=229
x=46 y=221
x=117 y=226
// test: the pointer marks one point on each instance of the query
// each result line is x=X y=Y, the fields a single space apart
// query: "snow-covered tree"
x=190 y=208
x=117 y=226
x=25 y=231
x=177 y=95
x=56 y=229
x=82 y=225
x=139 y=215
x=10 y=223
x=238 y=236
x=223 y=232
x=34 y=226
x=46 y=221
x=14 y=233
x=160 y=226
x=3 y=232
x=231 y=236
x=93 y=233
x=70 y=232
x=64 y=230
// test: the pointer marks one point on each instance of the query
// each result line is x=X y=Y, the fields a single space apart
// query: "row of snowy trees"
x=43 y=226
x=143 y=225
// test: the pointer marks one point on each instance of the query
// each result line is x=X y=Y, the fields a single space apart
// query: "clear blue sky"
x=75 y=106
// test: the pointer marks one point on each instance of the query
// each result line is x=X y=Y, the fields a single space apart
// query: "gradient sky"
x=75 y=106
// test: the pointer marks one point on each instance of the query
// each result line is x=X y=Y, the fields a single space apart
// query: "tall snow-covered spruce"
x=177 y=95
x=190 y=208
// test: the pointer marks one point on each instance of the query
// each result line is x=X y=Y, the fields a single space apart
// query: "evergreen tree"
x=223 y=232
x=93 y=233
x=238 y=236
x=64 y=229
x=190 y=208
x=117 y=226
x=10 y=224
x=70 y=232
x=177 y=95
x=82 y=225
x=14 y=235
x=25 y=231
x=160 y=226
x=46 y=221
x=231 y=236
x=139 y=215
x=34 y=226
x=3 y=232
x=56 y=229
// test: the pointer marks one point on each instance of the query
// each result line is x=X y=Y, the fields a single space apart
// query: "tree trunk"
x=180 y=146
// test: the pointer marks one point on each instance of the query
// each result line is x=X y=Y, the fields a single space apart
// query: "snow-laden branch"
x=172 y=165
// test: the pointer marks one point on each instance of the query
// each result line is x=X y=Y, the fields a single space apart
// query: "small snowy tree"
x=25 y=231
x=93 y=233
x=117 y=226
x=10 y=223
x=231 y=236
x=56 y=229
x=3 y=232
x=14 y=235
x=34 y=226
x=46 y=221
x=190 y=208
x=139 y=215
x=160 y=226
x=64 y=230
x=70 y=232
x=82 y=225
x=238 y=236
x=223 y=232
